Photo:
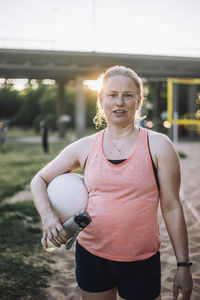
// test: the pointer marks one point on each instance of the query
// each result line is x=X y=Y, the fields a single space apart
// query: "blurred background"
x=51 y=54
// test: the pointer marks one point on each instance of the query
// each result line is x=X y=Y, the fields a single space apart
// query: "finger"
x=61 y=230
x=53 y=240
x=62 y=233
x=186 y=291
x=57 y=237
x=175 y=292
x=44 y=240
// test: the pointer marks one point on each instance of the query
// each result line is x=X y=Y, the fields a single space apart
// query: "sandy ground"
x=63 y=284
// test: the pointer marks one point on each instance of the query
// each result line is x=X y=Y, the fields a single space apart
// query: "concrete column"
x=61 y=104
x=175 y=113
x=156 y=87
x=80 y=109
x=61 y=98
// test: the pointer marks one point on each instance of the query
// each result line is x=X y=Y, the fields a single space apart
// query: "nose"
x=119 y=100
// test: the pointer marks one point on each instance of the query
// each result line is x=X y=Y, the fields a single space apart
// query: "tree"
x=10 y=102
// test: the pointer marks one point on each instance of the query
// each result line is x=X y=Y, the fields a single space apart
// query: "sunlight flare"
x=94 y=85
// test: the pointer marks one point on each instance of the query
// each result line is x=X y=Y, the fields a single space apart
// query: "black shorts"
x=134 y=280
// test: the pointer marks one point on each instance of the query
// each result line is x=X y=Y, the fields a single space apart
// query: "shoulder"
x=156 y=136
x=82 y=147
x=86 y=142
x=70 y=158
x=162 y=148
x=159 y=142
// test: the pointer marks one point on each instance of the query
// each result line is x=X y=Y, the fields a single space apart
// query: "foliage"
x=30 y=106
x=47 y=108
x=10 y=102
x=91 y=97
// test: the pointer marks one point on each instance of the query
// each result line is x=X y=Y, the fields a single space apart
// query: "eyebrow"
x=123 y=92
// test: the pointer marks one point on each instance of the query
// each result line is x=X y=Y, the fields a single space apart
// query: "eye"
x=112 y=95
x=128 y=95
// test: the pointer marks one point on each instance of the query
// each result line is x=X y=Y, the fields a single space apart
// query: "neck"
x=120 y=132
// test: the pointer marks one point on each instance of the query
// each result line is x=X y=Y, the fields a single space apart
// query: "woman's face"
x=119 y=100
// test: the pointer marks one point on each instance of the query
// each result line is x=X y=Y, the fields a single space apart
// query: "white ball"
x=68 y=195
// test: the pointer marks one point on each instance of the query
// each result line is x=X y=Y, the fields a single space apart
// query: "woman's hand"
x=183 y=281
x=53 y=229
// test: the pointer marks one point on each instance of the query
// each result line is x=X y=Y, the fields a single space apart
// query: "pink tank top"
x=123 y=204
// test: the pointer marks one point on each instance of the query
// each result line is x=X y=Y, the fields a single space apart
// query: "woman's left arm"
x=172 y=211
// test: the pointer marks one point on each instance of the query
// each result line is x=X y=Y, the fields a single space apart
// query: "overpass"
x=63 y=66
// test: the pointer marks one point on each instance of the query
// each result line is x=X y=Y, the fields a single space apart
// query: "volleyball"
x=68 y=195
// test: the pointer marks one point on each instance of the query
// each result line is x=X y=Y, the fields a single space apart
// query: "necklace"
x=120 y=147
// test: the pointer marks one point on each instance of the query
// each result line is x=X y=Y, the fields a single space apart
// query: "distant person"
x=44 y=135
x=128 y=171
x=3 y=136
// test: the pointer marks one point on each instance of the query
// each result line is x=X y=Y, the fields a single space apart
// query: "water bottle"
x=72 y=227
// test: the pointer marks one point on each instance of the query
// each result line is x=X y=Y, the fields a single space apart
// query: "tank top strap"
x=95 y=145
x=142 y=142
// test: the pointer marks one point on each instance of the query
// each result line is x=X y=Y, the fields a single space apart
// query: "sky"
x=160 y=27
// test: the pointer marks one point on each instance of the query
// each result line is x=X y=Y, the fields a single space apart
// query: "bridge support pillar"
x=80 y=109
x=156 y=90
x=61 y=102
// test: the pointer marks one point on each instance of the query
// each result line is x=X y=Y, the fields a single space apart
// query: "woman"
x=44 y=135
x=127 y=170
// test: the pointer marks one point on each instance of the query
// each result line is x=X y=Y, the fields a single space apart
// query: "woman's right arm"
x=72 y=157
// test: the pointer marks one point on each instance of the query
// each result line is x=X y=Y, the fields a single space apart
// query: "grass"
x=24 y=265
x=17 y=132
x=24 y=269
x=182 y=154
x=20 y=163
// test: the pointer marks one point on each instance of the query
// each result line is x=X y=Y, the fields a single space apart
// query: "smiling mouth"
x=119 y=111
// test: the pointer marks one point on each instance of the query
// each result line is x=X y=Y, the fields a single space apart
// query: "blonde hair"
x=99 y=119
